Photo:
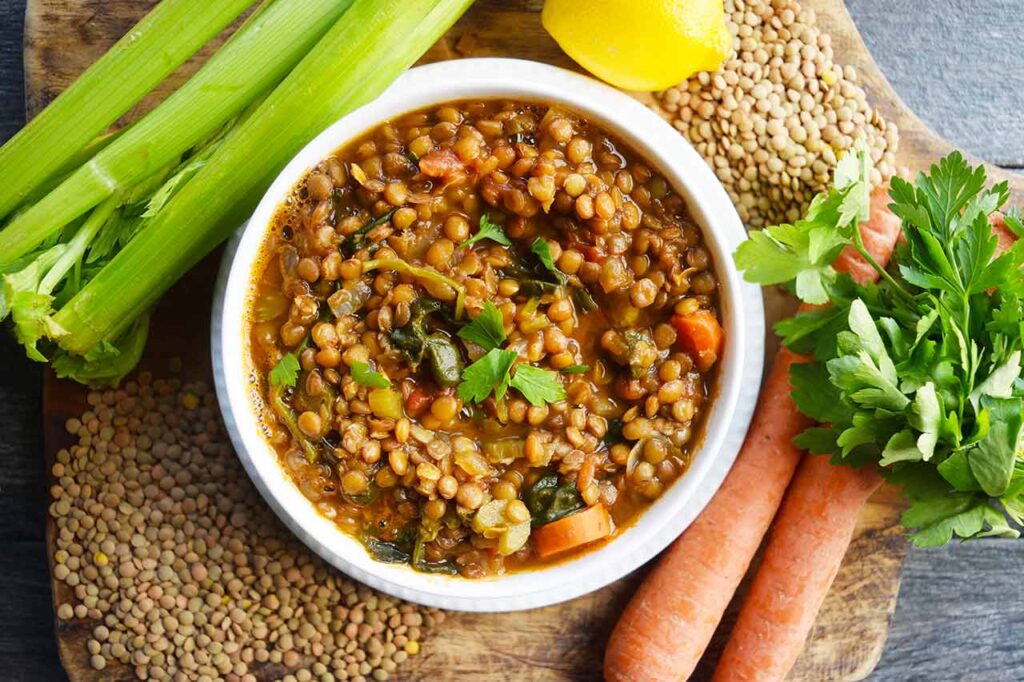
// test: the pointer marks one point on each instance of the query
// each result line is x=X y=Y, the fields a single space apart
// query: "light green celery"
x=70 y=165
x=78 y=244
x=362 y=54
x=257 y=57
x=165 y=38
x=28 y=293
x=107 y=362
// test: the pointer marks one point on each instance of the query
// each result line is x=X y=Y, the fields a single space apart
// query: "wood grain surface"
x=563 y=642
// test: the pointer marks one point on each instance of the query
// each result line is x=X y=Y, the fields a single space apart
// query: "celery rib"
x=359 y=57
x=165 y=38
x=257 y=57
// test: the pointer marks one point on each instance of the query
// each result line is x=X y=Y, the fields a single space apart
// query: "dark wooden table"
x=957 y=63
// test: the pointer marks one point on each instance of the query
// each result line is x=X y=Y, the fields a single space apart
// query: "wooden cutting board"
x=563 y=642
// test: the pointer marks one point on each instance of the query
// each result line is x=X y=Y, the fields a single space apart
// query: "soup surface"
x=485 y=335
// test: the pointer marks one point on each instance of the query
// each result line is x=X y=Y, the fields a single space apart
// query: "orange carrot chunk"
x=573 y=531
x=701 y=336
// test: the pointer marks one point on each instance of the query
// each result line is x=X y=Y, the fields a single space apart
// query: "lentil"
x=411 y=468
x=186 y=574
x=772 y=121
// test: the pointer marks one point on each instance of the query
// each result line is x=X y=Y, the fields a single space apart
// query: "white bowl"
x=730 y=413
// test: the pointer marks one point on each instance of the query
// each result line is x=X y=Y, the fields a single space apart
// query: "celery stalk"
x=362 y=54
x=256 y=58
x=165 y=38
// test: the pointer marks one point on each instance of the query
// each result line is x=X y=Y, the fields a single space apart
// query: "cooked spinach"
x=357 y=239
x=411 y=339
x=390 y=552
x=549 y=500
x=533 y=276
x=408 y=547
x=536 y=279
x=613 y=434
x=444 y=359
x=420 y=563
x=417 y=343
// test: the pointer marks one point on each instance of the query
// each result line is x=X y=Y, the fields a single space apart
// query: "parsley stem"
x=858 y=243
x=426 y=273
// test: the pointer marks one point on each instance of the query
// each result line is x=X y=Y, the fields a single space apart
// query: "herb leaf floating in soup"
x=477 y=321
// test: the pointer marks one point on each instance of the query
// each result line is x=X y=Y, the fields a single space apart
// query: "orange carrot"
x=1006 y=238
x=574 y=530
x=670 y=620
x=809 y=539
x=701 y=336
x=879 y=234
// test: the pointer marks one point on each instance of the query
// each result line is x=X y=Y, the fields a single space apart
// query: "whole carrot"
x=810 y=537
x=667 y=625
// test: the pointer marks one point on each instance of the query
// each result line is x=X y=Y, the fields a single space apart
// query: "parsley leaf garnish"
x=489 y=373
x=493 y=373
x=575 y=369
x=539 y=386
x=364 y=376
x=488 y=230
x=487 y=330
x=542 y=250
x=286 y=371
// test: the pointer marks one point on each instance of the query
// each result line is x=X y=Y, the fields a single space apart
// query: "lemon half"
x=640 y=44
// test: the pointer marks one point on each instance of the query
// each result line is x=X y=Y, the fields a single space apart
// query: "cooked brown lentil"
x=183 y=573
x=418 y=473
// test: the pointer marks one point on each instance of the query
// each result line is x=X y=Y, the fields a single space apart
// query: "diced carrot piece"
x=573 y=531
x=701 y=336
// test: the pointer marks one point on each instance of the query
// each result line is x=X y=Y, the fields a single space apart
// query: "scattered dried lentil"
x=773 y=119
x=184 y=573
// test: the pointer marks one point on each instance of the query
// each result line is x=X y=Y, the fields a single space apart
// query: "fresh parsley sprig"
x=487 y=230
x=542 y=250
x=487 y=329
x=494 y=373
x=538 y=386
x=802 y=254
x=488 y=374
x=920 y=374
x=286 y=371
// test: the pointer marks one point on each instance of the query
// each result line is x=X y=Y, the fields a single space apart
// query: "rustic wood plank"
x=959 y=616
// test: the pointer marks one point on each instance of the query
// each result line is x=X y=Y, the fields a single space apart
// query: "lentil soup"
x=485 y=335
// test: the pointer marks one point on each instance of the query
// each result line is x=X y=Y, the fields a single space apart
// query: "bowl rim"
x=739 y=377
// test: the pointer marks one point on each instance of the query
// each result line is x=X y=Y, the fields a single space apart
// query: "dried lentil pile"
x=772 y=120
x=186 y=573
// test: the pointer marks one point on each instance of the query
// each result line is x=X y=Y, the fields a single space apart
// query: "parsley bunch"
x=920 y=374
